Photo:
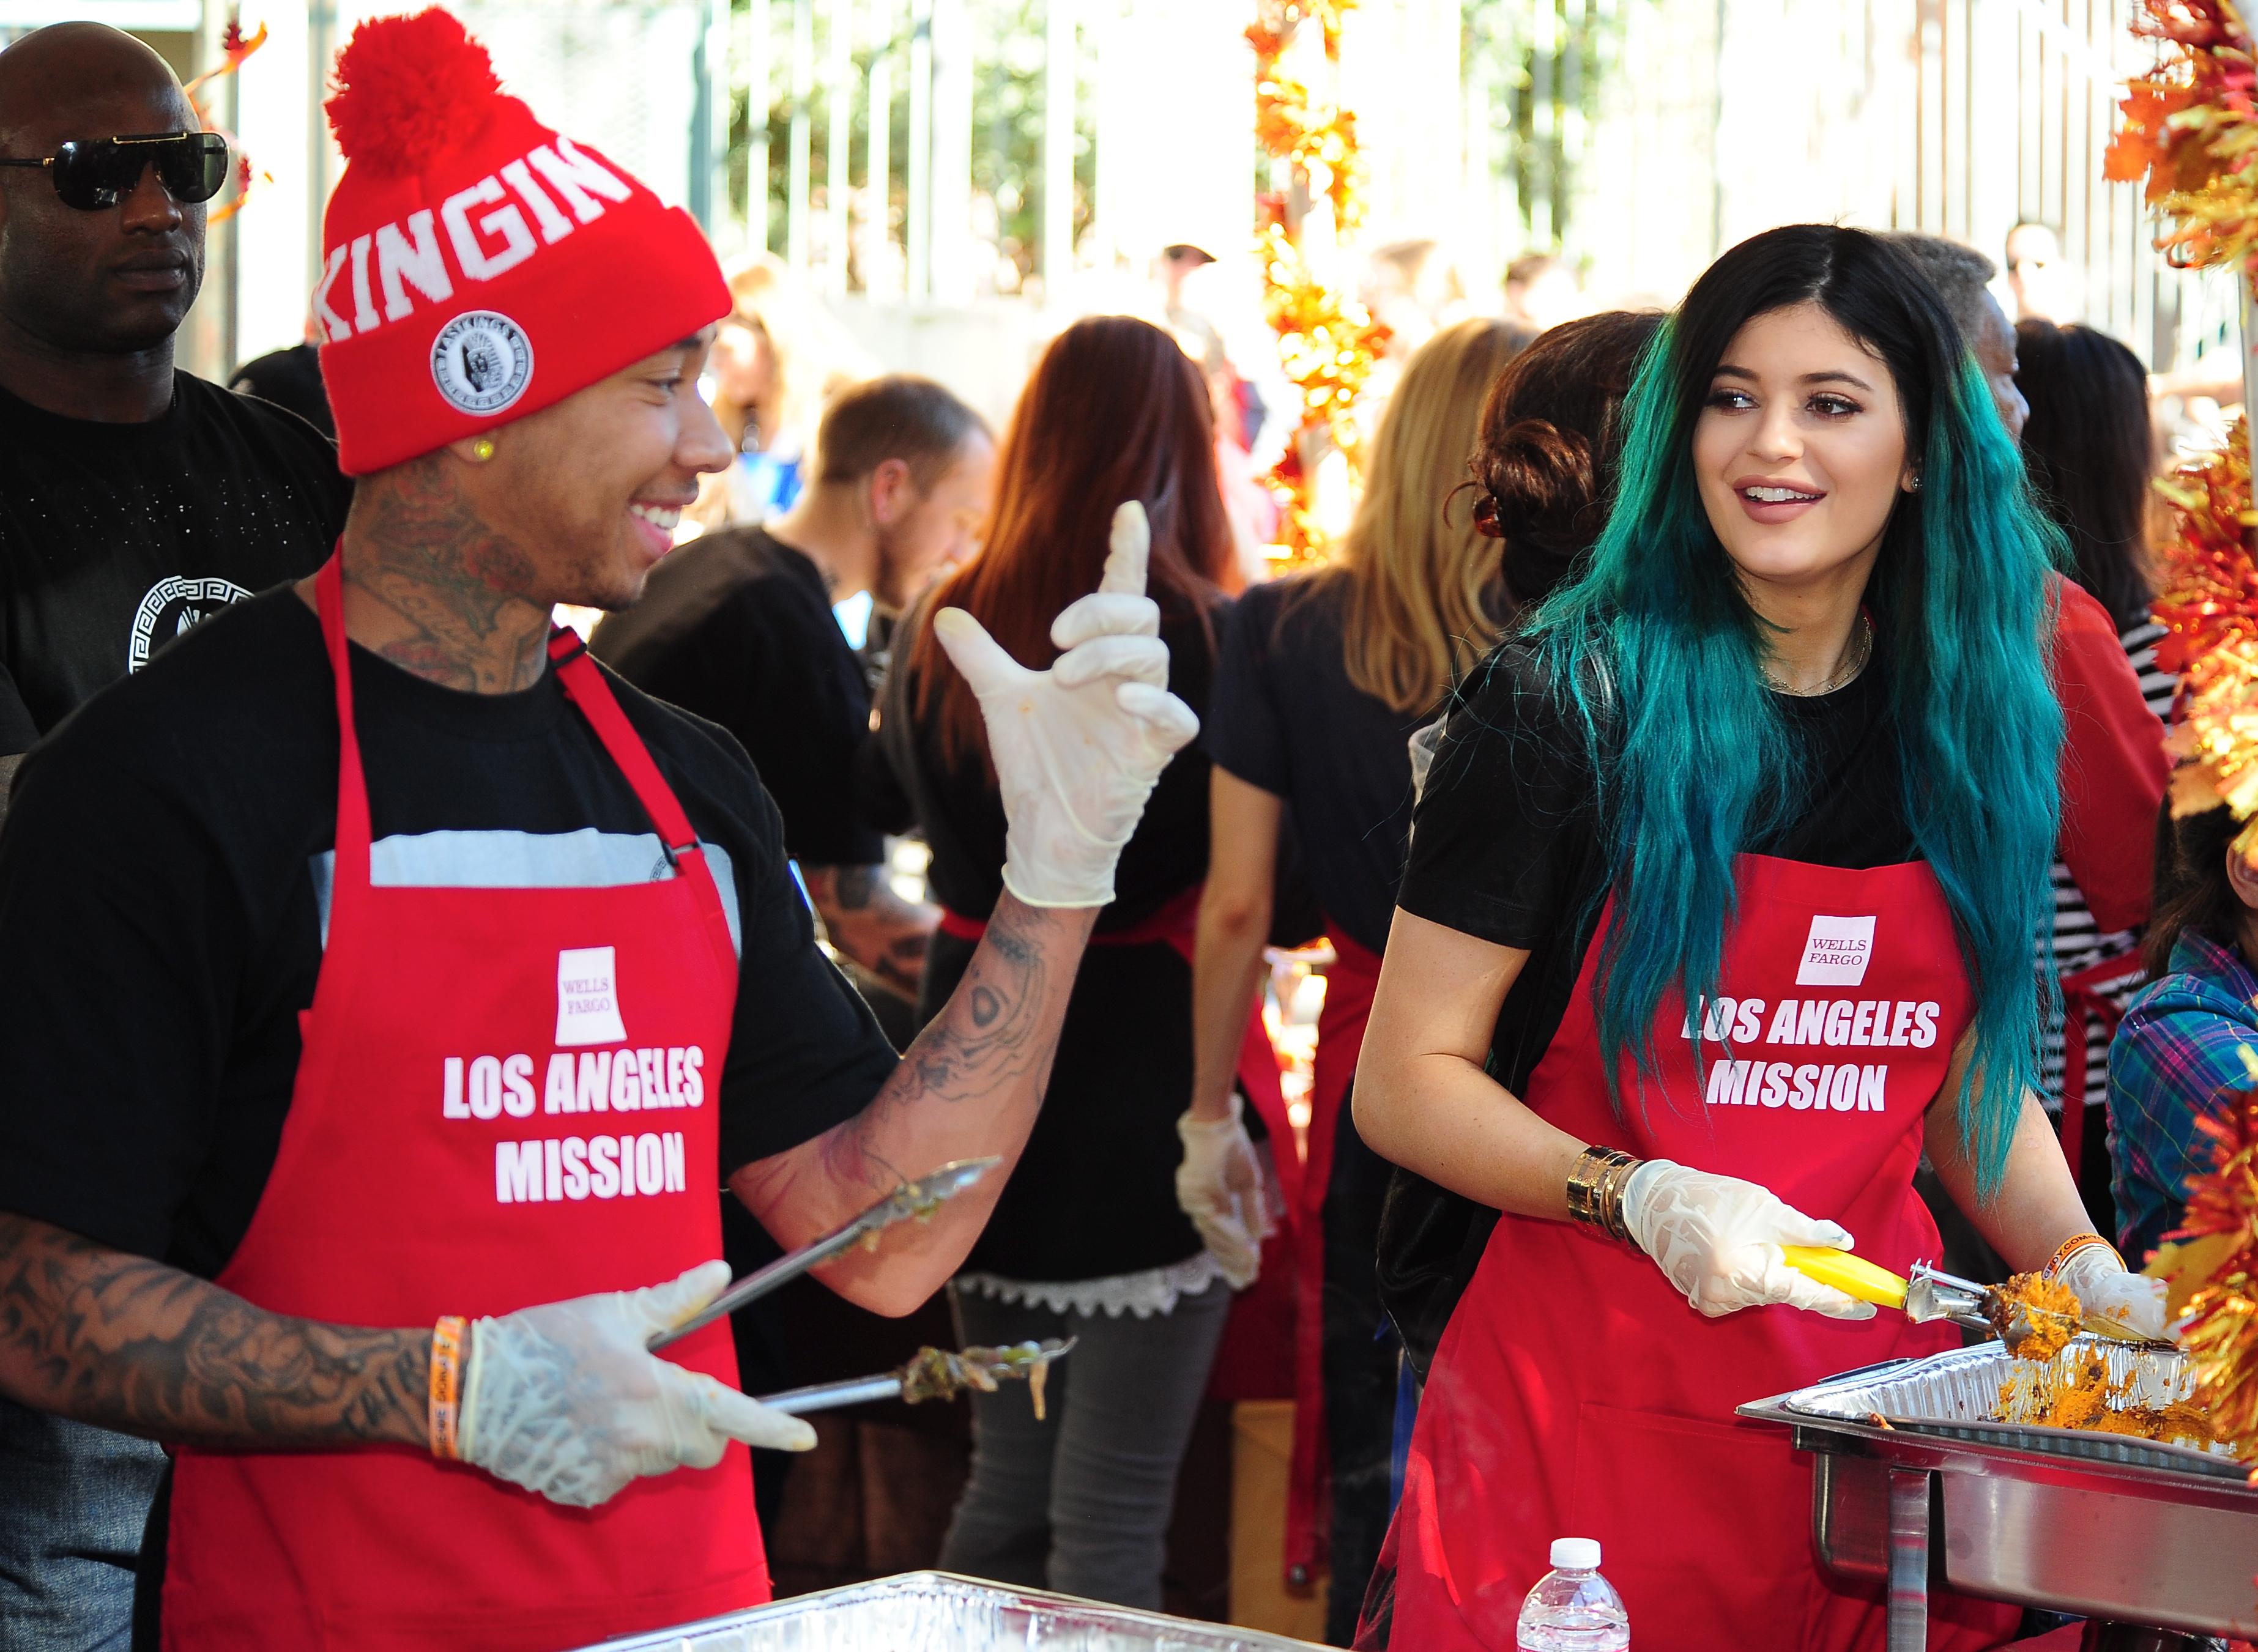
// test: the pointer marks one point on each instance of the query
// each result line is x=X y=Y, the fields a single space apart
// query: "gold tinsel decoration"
x=1328 y=342
x=2191 y=129
x=2209 y=607
x=2222 y=1329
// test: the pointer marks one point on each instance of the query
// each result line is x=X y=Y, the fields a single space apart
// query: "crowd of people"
x=1673 y=668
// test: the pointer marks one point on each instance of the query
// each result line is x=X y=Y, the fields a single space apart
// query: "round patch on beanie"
x=481 y=361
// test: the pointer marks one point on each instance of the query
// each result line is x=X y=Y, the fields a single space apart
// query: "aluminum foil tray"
x=1956 y=1396
x=937 y=1612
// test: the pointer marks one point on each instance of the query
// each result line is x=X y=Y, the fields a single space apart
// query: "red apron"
x=421 y=1173
x=1576 y=1394
x=1349 y=986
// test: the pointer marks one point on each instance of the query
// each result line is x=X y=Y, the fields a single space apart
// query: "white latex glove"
x=564 y=1400
x=1219 y=1186
x=2105 y=1289
x=1717 y=1240
x=1078 y=747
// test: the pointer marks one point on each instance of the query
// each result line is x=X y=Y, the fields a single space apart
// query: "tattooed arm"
x=871 y=923
x=970 y=1086
x=130 y=1344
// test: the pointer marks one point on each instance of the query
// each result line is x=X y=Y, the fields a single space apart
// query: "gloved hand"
x=1078 y=747
x=1717 y=1240
x=1219 y=1186
x=564 y=1400
x=2107 y=1290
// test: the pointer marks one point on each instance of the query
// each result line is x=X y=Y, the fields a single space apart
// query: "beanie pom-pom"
x=410 y=90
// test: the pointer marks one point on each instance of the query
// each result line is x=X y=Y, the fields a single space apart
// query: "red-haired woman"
x=1089 y=1240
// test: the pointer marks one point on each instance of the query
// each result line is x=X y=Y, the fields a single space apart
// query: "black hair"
x=2091 y=454
x=2191 y=888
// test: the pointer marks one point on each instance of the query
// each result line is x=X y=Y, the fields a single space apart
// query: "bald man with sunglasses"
x=135 y=498
x=134 y=501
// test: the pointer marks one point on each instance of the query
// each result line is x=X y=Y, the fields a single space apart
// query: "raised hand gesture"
x=1077 y=747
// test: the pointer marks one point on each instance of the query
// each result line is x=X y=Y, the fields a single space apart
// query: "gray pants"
x=1081 y=1503
x=73 y=1503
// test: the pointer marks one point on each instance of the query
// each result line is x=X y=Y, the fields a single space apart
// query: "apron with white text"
x=1576 y=1394
x=507 y=1097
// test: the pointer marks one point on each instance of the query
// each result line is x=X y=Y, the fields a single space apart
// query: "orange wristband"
x=2078 y=1242
x=447 y=1386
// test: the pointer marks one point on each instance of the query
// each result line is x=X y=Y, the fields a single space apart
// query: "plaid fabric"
x=2180 y=1046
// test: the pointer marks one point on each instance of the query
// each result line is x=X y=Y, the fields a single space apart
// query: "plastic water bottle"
x=1573 y=1608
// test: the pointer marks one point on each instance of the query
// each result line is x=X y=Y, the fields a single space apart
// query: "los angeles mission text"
x=621 y=1166
x=1839 y=1087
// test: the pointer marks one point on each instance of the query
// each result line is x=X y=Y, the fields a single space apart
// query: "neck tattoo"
x=446 y=585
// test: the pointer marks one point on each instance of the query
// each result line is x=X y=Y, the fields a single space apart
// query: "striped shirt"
x=2079 y=943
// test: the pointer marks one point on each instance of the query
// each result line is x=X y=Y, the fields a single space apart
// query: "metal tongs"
x=914 y=1381
x=1929 y=1293
x=919 y=1198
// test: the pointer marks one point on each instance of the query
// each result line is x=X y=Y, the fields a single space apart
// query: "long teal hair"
x=1656 y=654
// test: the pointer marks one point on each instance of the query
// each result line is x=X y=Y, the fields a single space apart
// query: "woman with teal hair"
x=1721 y=908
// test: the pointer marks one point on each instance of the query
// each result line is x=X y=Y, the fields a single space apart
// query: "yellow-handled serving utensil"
x=1930 y=1293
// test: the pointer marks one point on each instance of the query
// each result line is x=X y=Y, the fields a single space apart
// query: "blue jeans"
x=73 y=1503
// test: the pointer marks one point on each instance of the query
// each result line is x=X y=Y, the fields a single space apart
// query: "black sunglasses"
x=97 y=172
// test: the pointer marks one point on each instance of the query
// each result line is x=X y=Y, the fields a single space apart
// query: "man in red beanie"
x=387 y=986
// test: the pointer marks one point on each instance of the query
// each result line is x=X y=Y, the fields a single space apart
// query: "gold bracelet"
x=446 y=1385
x=2078 y=1242
x=1612 y=1188
x=1593 y=1182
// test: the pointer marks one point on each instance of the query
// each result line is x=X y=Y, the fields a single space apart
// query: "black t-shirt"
x=1094 y=1194
x=1288 y=719
x=164 y=877
x=737 y=627
x=115 y=538
x=1509 y=847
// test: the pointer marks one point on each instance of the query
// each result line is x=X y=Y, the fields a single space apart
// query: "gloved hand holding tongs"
x=2113 y=1302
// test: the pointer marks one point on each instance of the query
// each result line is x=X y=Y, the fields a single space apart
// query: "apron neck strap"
x=351 y=871
x=584 y=685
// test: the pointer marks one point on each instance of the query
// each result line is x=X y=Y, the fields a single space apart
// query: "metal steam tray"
x=1956 y=1396
x=1915 y=1480
x=938 y=1611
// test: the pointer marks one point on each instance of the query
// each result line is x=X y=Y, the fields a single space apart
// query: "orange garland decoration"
x=2208 y=605
x=2223 y=1317
x=1328 y=342
x=2191 y=129
x=235 y=46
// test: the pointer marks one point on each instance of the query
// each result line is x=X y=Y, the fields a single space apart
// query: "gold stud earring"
x=482 y=449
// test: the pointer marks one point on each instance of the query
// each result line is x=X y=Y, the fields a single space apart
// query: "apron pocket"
x=1704 y=1527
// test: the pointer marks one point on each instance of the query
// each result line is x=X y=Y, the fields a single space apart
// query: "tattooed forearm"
x=449 y=584
x=969 y=1087
x=132 y=1344
x=868 y=923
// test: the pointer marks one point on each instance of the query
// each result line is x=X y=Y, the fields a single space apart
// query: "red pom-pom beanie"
x=477 y=267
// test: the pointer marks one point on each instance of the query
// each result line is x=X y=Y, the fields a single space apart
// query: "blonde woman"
x=1321 y=680
x=777 y=362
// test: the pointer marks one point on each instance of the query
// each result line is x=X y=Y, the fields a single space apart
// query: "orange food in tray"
x=2083 y=1396
x=2051 y=1316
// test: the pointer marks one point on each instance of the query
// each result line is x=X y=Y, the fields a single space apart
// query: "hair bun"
x=1540 y=480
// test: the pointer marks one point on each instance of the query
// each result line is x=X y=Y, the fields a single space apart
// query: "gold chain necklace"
x=1854 y=661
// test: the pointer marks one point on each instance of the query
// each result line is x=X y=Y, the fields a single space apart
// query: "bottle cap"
x=1575 y=1554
